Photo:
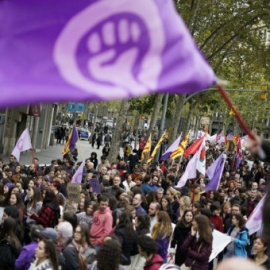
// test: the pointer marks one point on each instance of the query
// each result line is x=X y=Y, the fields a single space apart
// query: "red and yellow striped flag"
x=157 y=147
x=147 y=148
x=179 y=151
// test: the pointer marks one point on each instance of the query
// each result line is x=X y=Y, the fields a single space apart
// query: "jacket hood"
x=157 y=259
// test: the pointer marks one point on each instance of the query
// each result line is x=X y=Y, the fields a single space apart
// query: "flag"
x=211 y=139
x=171 y=149
x=189 y=173
x=201 y=158
x=192 y=149
x=77 y=177
x=23 y=144
x=157 y=147
x=147 y=148
x=71 y=141
x=181 y=148
x=214 y=173
x=95 y=50
x=254 y=221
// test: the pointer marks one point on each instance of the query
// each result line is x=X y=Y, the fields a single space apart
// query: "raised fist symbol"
x=122 y=55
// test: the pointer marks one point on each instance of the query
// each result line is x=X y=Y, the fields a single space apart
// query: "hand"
x=193 y=231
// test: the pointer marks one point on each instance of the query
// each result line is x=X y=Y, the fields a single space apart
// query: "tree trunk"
x=116 y=137
x=155 y=113
x=177 y=117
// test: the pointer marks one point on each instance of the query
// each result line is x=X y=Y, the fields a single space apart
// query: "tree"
x=230 y=35
x=116 y=137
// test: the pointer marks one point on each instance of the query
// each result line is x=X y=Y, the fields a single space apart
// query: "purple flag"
x=77 y=177
x=214 y=172
x=95 y=50
x=173 y=147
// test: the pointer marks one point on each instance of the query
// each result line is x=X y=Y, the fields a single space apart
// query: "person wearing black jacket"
x=125 y=234
x=9 y=245
x=181 y=231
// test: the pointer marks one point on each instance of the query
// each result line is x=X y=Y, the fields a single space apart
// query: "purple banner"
x=95 y=50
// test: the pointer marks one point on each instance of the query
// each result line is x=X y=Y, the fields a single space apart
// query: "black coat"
x=127 y=241
x=179 y=236
x=8 y=255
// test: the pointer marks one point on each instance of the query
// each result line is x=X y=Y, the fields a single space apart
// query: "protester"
x=102 y=223
x=109 y=256
x=81 y=241
x=181 y=231
x=239 y=236
x=259 y=249
x=148 y=249
x=46 y=256
x=198 y=244
x=10 y=245
x=65 y=243
x=162 y=232
x=125 y=234
x=50 y=211
x=28 y=251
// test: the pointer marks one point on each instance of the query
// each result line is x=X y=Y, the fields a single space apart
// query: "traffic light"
x=263 y=94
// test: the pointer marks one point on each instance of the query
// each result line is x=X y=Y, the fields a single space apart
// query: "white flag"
x=23 y=144
x=254 y=222
x=77 y=177
x=190 y=171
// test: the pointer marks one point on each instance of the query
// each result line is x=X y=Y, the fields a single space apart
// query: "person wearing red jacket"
x=148 y=249
x=215 y=218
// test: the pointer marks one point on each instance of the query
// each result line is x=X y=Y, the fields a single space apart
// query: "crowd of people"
x=138 y=220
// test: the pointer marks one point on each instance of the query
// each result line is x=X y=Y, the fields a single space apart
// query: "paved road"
x=54 y=152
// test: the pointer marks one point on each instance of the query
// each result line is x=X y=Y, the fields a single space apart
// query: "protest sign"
x=73 y=191
x=94 y=183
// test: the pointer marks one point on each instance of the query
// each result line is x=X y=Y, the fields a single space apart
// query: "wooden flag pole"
x=239 y=118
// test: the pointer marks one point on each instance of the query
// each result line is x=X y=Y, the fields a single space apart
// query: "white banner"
x=220 y=241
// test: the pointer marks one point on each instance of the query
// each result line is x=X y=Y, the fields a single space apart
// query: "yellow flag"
x=147 y=148
x=157 y=147
x=179 y=151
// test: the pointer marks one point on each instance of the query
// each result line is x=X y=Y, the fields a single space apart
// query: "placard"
x=94 y=183
x=73 y=191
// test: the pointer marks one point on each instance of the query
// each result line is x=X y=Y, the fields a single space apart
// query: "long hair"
x=50 y=197
x=186 y=202
x=12 y=211
x=125 y=220
x=36 y=197
x=183 y=220
x=204 y=229
x=50 y=249
x=163 y=226
x=85 y=235
x=8 y=232
x=109 y=255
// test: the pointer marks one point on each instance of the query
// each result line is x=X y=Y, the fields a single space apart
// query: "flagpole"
x=239 y=118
